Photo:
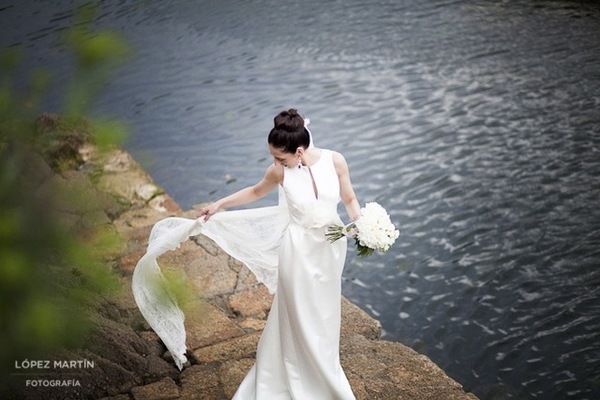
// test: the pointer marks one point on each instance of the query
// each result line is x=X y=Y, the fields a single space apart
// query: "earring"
x=299 y=162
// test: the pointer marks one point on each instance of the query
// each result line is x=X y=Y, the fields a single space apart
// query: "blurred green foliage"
x=56 y=251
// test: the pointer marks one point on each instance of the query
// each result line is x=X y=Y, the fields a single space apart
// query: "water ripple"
x=474 y=124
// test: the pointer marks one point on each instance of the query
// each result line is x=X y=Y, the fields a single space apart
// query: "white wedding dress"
x=286 y=248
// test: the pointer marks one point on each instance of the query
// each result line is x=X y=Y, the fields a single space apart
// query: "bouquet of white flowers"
x=373 y=230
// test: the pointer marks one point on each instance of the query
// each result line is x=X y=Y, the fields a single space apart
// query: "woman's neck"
x=311 y=156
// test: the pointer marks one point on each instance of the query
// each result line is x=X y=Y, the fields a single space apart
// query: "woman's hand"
x=209 y=211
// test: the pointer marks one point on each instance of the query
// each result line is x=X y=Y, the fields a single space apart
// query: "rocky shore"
x=224 y=318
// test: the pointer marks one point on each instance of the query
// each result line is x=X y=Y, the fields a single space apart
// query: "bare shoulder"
x=339 y=161
x=274 y=173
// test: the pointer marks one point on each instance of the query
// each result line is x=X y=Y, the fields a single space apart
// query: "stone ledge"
x=230 y=314
x=377 y=369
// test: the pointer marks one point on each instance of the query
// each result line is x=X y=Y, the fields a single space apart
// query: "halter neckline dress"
x=298 y=352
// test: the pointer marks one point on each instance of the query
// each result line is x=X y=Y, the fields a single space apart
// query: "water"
x=474 y=123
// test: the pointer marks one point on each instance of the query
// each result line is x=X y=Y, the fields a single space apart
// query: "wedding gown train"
x=286 y=248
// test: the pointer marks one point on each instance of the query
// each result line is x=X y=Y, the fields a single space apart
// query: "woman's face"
x=289 y=160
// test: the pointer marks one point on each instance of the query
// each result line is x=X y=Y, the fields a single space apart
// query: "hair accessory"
x=306 y=122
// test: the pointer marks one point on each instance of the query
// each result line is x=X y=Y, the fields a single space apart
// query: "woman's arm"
x=346 y=190
x=273 y=176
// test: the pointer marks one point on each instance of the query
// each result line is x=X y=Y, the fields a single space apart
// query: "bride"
x=286 y=247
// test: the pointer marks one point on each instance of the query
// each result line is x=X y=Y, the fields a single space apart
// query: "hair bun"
x=289 y=133
x=289 y=120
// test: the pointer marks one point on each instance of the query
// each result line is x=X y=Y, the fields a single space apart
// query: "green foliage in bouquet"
x=336 y=232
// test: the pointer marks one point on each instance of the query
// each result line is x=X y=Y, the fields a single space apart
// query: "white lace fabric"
x=232 y=231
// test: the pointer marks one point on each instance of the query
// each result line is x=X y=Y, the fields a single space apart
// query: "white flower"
x=373 y=230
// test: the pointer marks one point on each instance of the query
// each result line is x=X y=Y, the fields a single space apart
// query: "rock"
x=147 y=191
x=356 y=321
x=139 y=217
x=391 y=370
x=209 y=326
x=253 y=302
x=246 y=278
x=208 y=245
x=164 y=389
x=39 y=173
x=232 y=373
x=117 y=397
x=127 y=181
x=164 y=203
x=234 y=349
x=129 y=261
x=211 y=276
x=120 y=161
x=201 y=382
x=63 y=139
x=252 y=324
x=155 y=345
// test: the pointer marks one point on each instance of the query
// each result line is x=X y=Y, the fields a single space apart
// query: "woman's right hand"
x=209 y=211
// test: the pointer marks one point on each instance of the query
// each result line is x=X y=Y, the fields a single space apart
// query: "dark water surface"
x=475 y=124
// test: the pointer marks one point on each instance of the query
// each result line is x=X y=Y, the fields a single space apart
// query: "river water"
x=474 y=123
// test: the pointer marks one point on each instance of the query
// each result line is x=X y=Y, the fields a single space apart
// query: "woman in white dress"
x=298 y=353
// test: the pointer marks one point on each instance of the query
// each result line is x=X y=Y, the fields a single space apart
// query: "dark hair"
x=289 y=132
